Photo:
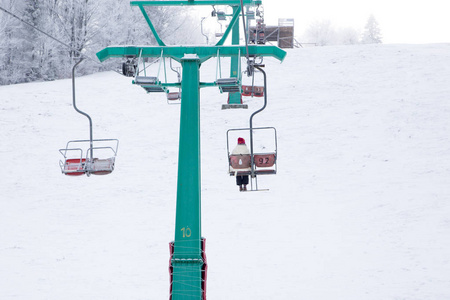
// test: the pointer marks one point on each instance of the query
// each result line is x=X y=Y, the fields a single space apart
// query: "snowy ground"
x=359 y=209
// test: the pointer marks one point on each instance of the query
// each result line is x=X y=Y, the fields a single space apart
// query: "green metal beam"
x=152 y=28
x=177 y=52
x=236 y=12
x=196 y=2
x=235 y=98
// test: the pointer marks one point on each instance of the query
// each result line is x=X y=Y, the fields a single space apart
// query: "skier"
x=241 y=149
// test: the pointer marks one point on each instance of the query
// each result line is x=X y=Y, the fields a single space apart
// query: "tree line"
x=83 y=27
x=323 y=33
x=77 y=27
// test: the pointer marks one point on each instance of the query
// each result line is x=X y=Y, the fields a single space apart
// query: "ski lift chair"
x=175 y=97
x=218 y=34
x=260 y=33
x=75 y=164
x=262 y=160
x=129 y=67
x=252 y=91
x=221 y=15
x=228 y=85
x=250 y=15
x=151 y=84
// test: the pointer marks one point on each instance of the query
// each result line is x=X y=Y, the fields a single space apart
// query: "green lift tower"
x=187 y=263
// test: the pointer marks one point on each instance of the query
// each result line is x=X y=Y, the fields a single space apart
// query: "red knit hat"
x=241 y=141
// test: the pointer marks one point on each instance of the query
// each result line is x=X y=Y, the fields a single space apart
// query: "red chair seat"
x=74 y=166
x=264 y=160
x=173 y=96
x=247 y=90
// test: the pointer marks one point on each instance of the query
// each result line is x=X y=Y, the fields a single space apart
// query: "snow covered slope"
x=359 y=209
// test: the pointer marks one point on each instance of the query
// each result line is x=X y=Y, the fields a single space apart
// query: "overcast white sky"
x=400 y=21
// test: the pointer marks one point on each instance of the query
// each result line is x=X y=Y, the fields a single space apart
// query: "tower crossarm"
x=203 y=52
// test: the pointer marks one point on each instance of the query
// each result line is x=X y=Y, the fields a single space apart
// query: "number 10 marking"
x=186 y=232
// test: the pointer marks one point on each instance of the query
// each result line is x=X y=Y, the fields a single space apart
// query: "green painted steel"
x=235 y=98
x=152 y=28
x=187 y=260
x=177 y=52
x=235 y=41
x=196 y=2
x=233 y=23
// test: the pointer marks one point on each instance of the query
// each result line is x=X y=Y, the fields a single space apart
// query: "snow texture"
x=359 y=209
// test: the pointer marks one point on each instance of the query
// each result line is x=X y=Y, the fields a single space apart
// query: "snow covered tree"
x=6 y=23
x=12 y=37
x=348 y=36
x=75 y=25
x=321 y=32
x=372 y=33
x=81 y=26
x=31 y=41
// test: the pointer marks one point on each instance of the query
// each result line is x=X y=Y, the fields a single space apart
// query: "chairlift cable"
x=23 y=21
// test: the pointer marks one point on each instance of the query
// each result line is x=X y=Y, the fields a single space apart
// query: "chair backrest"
x=248 y=90
x=259 y=91
x=145 y=80
x=74 y=166
x=240 y=161
x=266 y=160
x=102 y=166
x=173 y=96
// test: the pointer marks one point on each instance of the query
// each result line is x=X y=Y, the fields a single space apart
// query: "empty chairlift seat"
x=229 y=85
x=249 y=90
x=149 y=83
x=221 y=16
x=265 y=163
x=74 y=166
x=173 y=96
x=143 y=80
x=102 y=166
